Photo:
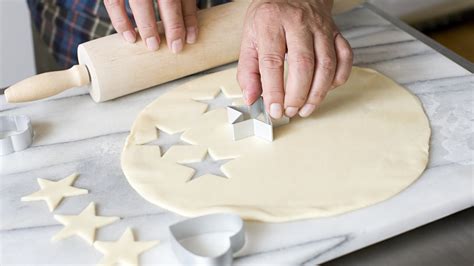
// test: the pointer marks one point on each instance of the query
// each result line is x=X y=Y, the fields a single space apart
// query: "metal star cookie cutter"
x=16 y=133
x=253 y=120
x=212 y=223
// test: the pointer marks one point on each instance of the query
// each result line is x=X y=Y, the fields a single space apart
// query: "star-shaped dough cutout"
x=207 y=166
x=53 y=192
x=123 y=251
x=83 y=225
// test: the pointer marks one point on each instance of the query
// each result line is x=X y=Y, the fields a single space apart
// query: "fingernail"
x=177 y=46
x=129 y=36
x=291 y=111
x=276 y=110
x=152 y=43
x=191 y=35
x=307 y=110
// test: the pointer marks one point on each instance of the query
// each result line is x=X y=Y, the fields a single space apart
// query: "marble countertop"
x=75 y=134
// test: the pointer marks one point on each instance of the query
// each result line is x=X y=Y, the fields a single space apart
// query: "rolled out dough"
x=367 y=142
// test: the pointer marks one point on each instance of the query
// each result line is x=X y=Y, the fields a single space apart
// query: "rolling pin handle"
x=47 y=84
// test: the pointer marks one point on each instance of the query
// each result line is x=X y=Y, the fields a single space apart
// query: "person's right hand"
x=319 y=57
x=178 y=16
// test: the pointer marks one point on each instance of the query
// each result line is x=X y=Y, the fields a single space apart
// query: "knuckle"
x=318 y=22
x=175 y=27
x=327 y=63
x=273 y=92
x=147 y=26
x=303 y=62
x=272 y=96
x=120 y=23
x=324 y=29
x=317 y=96
x=296 y=100
x=267 y=10
x=271 y=61
x=297 y=14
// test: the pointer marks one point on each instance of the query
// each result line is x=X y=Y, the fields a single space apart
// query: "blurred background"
x=449 y=22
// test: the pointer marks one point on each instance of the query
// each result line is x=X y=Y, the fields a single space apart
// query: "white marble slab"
x=75 y=134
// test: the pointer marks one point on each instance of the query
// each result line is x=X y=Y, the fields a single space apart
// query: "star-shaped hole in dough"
x=165 y=141
x=123 y=251
x=207 y=166
x=218 y=102
x=54 y=191
x=83 y=225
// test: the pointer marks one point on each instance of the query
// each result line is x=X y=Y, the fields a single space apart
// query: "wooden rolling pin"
x=115 y=68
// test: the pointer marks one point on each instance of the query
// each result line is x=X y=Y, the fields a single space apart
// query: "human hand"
x=319 y=58
x=178 y=17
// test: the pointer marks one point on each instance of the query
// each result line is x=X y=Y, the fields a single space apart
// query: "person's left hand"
x=319 y=58
x=179 y=19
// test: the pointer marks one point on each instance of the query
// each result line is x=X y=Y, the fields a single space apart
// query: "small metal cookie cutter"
x=212 y=223
x=253 y=120
x=16 y=133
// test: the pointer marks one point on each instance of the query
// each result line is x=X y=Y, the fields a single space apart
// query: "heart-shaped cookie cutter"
x=212 y=223
x=16 y=133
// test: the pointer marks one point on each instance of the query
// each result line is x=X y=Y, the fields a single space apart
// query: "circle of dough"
x=367 y=142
